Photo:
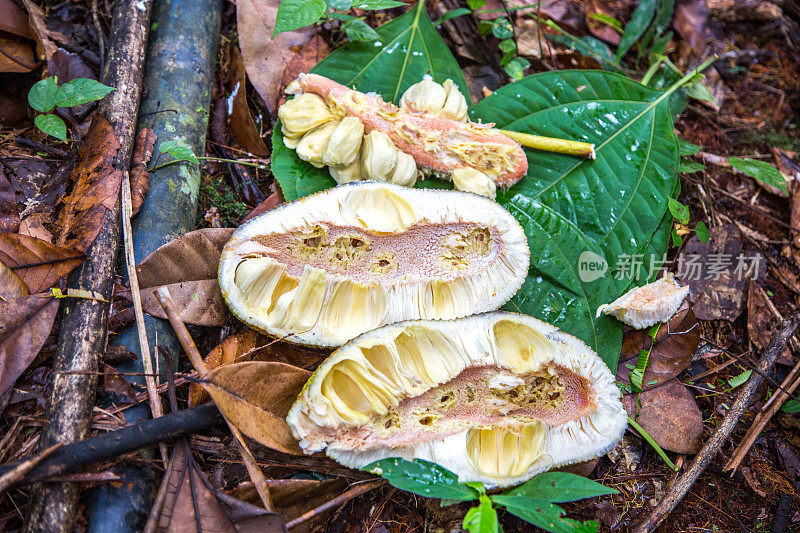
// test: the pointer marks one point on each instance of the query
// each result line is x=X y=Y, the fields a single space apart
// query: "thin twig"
x=713 y=445
x=15 y=475
x=256 y=475
x=352 y=492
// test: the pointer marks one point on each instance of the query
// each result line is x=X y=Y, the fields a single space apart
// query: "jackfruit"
x=495 y=398
x=328 y=267
x=470 y=180
x=432 y=100
x=312 y=146
x=345 y=143
x=645 y=306
x=378 y=156
x=302 y=114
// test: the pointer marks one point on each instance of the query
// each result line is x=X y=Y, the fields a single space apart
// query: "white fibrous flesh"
x=495 y=398
x=649 y=304
x=326 y=268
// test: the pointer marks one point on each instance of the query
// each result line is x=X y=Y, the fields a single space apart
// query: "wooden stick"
x=256 y=475
x=16 y=474
x=713 y=445
x=84 y=323
x=356 y=489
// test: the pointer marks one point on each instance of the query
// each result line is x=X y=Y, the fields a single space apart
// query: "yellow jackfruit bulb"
x=405 y=173
x=303 y=113
x=326 y=268
x=345 y=142
x=470 y=180
x=378 y=156
x=314 y=143
x=495 y=398
x=426 y=97
x=347 y=173
x=455 y=106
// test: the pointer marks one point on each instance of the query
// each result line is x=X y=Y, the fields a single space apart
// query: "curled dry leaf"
x=96 y=189
x=45 y=46
x=38 y=263
x=25 y=324
x=264 y=55
x=187 y=266
x=250 y=345
x=255 y=397
x=10 y=285
x=670 y=415
x=242 y=124
x=140 y=178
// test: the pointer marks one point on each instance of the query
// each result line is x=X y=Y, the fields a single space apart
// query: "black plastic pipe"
x=179 y=73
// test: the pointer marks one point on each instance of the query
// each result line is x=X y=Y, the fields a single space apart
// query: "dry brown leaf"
x=273 y=200
x=9 y=208
x=187 y=266
x=255 y=397
x=250 y=345
x=242 y=124
x=46 y=47
x=140 y=178
x=691 y=22
x=675 y=344
x=293 y=497
x=38 y=263
x=669 y=414
x=10 y=285
x=309 y=55
x=761 y=323
x=96 y=189
x=42 y=187
x=16 y=54
x=116 y=385
x=13 y=20
x=25 y=324
x=264 y=56
x=597 y=28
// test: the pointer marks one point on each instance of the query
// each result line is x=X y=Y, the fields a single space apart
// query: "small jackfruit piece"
x=345 y=143
x=346 y=174
x=645 y=306
x=495 y=398
x=303 y=113
x=426 y=97
x=314 y=143
x=470 y=180
x=326 y=268
x=378 y=156
x=455 y=107
x=405 y=173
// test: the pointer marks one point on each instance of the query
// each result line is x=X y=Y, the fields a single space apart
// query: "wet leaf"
x=81 y=91
x=669 y=414
x=25 y=324
x=482 y=518
x=42 y=96
x=422 y=477
x=140 y=177
x=255 y=397
x=38 y=263
x=52 y=125
x=10 y=285
x=96 y=189
x=295 y=14
x=543 y=514
x=557 y=487
x=187 y=266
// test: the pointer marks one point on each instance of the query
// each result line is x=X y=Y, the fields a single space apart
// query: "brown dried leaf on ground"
x=293 y=497
x=9 y=208
x=140 y=178
x=670 y=415
x=671 y=354
x=116 y=385
x=187 y=266
x=95 y=191
x=264 y=56
x=600 y=29
x=273 y=200
x=16 y=54
x=255 y=397
x=14 y=20
x=761 y=323
x=40 y=187
x=309 y=55
x=242 y=124
x=250 y=345
x=38 y=263
x=10 y=285
x=25 y=324
x=45 y=46
x=691 y=21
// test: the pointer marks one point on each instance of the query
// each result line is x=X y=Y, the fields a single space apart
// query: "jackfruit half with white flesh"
x=645 y=306
x=495 y=398
x=328 y=267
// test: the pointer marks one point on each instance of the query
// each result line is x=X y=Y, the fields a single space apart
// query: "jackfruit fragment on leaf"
x=645 y=306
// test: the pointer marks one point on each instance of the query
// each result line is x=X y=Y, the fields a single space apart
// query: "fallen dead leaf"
x=96 y=190
x=10 y=285
x=241 y=122
x=40 y=186
x=255 y=397
x=761 y=323
x=14 y=20
x=25 y=324
x=597 y=28
x=16 y=54
x=9 y=208
x=669 y=414
x=140 y=177
x=309 y=55
x=264 y=56
x=46 y=47
x=187 y=266
x=116 y=385
x=38 y=263
x=273 y=200
x=293 y=497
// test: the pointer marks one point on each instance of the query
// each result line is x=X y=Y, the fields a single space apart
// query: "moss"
x=216 y=192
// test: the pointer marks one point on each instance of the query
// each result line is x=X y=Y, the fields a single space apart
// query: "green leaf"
x=763 y=172
x=702 y=232
x=557 y=487
x=685 y=148
x=51 y=125
x=543 y=514
x=482 y=518
x=607 y=20
x=792 y=406
x=508 y=45
x=476 y=4
x=179 y=150
x=588 y=46
x=341 y=5
x=42 y=96
x=377 y=4
x=688 y=166
x=423 y=478
x=516 y=68
x=677 y=240
x=502 y=28
x=453 y=13
x=679 y=211
x=409 y=48
x=358 y=30
x=699 y=91
x=641 y=18
x=739 y=380
x=295 y=14
x=611 y=206
x=80 y=91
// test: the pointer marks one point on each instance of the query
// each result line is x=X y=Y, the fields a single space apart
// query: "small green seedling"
x=533 y=501
x=46 y=95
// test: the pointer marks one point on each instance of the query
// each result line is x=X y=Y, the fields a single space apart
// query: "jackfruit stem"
x=551 y=144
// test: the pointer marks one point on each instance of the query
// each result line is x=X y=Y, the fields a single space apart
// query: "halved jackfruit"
x=331 y=266
x=496 y=398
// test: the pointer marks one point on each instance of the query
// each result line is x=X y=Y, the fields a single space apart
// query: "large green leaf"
x=424 y=478
x=409 y=47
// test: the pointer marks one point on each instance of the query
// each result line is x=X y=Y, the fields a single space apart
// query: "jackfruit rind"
x=328 y=267
x=495 y=398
